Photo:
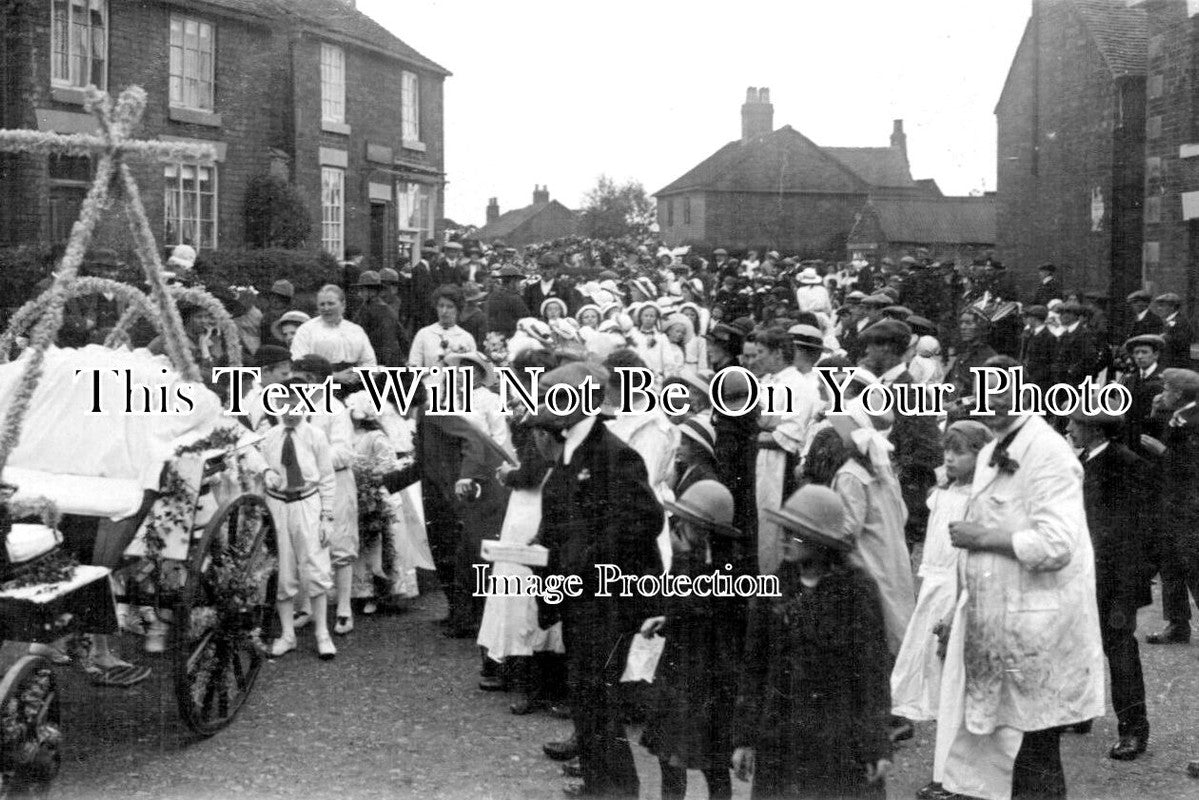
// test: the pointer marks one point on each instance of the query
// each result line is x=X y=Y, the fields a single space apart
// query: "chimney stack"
x=493 y=210
x=899 y=138
x=541 y=194
x=757 y=115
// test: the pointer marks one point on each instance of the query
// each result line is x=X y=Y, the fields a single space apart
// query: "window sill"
x=68 y=94
x=194 y=117
x=340 y=128
x=417 y=146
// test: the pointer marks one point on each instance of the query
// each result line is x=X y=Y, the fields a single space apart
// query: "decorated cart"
x=202 y=559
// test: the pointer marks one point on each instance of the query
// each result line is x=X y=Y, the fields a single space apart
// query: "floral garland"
x=53 y=567
x=375 y=515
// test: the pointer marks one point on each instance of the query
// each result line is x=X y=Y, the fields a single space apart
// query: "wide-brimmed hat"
x=369 y=278
x=814 y=513
x=270 y=354
x=472 y=291
x=473 y=358
x=573 y=374
x=1158 y=343
x=297 y=317
x=510 y=271
x=708 y=505
x=389 y=276
x=808 y=337
x=183 y=257
x=700 y=431
x=808 y=276
x=547 y=302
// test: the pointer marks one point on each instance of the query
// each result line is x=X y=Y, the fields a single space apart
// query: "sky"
x=558 y=92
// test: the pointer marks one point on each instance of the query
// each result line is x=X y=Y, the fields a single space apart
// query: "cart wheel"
x=217 y=631
x=29 y=732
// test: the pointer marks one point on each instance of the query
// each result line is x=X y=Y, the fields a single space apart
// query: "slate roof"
x=510 y=221
x=788 y=161
x=878 y=166
x=782 y=161
x=943 y=220
x=1121 y=33
x=335 y=17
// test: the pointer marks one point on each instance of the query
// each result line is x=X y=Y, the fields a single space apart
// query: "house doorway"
x=378 y=250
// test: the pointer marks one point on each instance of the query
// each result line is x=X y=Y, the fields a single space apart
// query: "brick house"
x=778 y=189
x=948 y=228
x=310 y=89
x=1071 y=148
x=543 y=221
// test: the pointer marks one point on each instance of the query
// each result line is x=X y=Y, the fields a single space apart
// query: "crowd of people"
x=971 y=570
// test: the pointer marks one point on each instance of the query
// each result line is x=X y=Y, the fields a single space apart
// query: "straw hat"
x=814 y=513
x=708 y=505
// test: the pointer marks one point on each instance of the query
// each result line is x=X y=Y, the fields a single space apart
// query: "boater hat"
x=700 y=431
x=708 y=505
x=1149 y=339
x=814 y=513
x=296 y=317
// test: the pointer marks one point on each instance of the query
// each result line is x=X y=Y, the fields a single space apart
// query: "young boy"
x=300 y=491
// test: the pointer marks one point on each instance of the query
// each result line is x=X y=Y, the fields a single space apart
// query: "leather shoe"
x=1173 y=633
x=575 y=789
x=562 y=751
x=572 y=769
x=491 y=683
x=1128 y=748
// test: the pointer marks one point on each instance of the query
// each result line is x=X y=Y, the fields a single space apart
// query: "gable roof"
x=510 y=221
x=1121 y=33
x=936 y=220
x=878 y=166
x=337 y=18
x=782 y=161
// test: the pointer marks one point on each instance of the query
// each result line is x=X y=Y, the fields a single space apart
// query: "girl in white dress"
x=916 y=679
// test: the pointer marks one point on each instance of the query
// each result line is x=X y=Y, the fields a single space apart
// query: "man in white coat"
x=1024 y=655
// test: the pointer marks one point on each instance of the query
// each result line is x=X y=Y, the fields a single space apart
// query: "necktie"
x=291 y=464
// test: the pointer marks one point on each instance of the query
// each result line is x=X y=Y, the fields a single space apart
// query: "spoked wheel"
x=29 y=732
x=217 y=632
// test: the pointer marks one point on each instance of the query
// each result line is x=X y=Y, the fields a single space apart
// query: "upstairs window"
x=190 y=204
x=193 y=55
x=333 y=83
x=79 y=43
x=410 y=106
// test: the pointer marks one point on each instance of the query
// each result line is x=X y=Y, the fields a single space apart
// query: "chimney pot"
x=751 y=95
x=757 y=115
x=764 y=95
x=493 y=210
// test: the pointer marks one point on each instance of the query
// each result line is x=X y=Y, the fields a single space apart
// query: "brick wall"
x=808 y=225
x=683 y=232
x=1057 y=136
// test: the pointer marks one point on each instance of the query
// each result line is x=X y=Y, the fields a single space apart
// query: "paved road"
x=398 y=715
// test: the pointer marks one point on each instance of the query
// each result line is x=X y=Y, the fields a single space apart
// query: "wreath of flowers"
x=375 y=515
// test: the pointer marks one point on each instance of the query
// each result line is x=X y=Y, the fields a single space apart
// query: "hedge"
x=308 y=270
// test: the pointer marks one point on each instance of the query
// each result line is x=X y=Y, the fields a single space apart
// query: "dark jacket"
x=504 y=309
x=1179 y=475
x=917 y=455
x=1139 y=418
x=961 y=376
x=1076 y=356
x=534 y=296
x=814 y=696
x=474 y=322
x=600 y=509
x=382 y=327
x=1046 y=291
x=1121 y=503
x=695 y=684
x=1178 y=335
x=736 y=466
x=1151 y=323
x=1037 y=351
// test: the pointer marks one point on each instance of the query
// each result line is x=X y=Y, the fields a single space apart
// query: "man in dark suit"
x=505 y=306
x=597 y=508
x=464 y=504
x=1118 y=494
x=1050 y=288
x=421 y=285
x=1176 y=329
x=549 y=285
x=1144 y=382
x=448 y=267
x=1076 y=347
x=1143 y=319
x=379 y=321
x=1037 y=346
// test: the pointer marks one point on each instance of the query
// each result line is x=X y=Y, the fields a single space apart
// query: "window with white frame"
x=79 y=42
x=416 y=208
x=333 y=83
x=410 y=106
x=190 y=203
x=193 y=55
x=333 y=191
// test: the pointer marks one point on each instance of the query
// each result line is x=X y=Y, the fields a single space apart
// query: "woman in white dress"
x=342 y=343
x=509 y=631
x=433 y=343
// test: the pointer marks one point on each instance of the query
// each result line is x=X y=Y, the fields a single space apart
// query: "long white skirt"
x=916 y=679
x=509 y=626
x=411 y=545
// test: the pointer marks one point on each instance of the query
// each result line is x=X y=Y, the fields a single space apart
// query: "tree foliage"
x=276 y=215
x=612 y=211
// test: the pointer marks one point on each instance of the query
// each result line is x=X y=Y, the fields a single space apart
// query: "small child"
x=696 y=681
x=916 y=680
x=300 y=489
x=374 y=457
x=813 y=702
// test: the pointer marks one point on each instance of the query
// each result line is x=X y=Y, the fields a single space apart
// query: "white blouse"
x=343 y=343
